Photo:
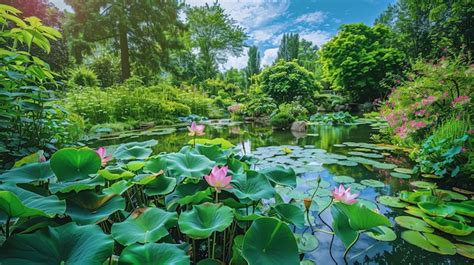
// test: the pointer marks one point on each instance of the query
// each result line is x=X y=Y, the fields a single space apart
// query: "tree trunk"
x=124 y=53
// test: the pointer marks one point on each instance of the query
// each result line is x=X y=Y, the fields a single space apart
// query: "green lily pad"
x=71 y=164
x=400 y=175
x=18 y=202
x=347 y=163
x=144 y=226
x=280 y=175
x=252 y=185
x=413 y=223
x=343 y=179
x=205 y=219
x=437 y=209
x=115 y=173
x=423 y=184
x=213 y=152
x=135 y=150
x=28 y=173
x=462 y=208
x=364 y=154
x=162 y=185
x=189 y=165
x=391 y=201
x=413 y=197
x=453 y=195
x=270 y=241
x=223 y=143
x=77 y=185
x=369 y=204
x=373 y=183
x=153 y=253
x=466 y=239
x=449 y=226
x=415 y=211
x=383 y=233
x=66 y=244
x=408 y=171
x=360 y=217
x=88 y=207
x=430 y=242
x=306 y=242
x=465 y=250
x=290 y=213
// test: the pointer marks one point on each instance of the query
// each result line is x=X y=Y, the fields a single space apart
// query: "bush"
x=83 y=76
x=107 y=69
x=333 y=118
x=287 y=113
x=288 y=82
x=282 y=120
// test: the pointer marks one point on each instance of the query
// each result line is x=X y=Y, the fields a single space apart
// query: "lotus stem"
x=224 y=247
x=214 y=245
x=349 y=247
x=194 y=250
x=7 y=227
x=209 y=247
x=309 y=222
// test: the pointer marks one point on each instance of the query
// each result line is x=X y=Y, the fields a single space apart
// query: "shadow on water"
x=367 y=250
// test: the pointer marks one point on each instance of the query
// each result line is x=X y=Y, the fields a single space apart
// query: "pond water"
x=314 y=154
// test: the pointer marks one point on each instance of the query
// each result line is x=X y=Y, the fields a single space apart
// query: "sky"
x=265 y=21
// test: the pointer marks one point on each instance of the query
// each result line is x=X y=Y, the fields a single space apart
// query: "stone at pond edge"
x=298 y=126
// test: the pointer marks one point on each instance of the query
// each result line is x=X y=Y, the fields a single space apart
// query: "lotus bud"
x=307 y=203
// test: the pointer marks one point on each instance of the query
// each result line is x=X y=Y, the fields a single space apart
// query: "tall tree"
x=144 y=30
x=215 y=35
x=289 y=47
x=253 y=64
x=308 y=55
x=430 y=28
x=358 y=58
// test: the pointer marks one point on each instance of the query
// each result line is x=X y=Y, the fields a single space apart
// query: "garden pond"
x=338 y=154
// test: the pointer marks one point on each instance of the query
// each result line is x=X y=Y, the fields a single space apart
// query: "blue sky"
x=265 y=21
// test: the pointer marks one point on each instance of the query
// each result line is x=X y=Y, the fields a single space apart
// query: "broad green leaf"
x=152 y=254
x=362 y=218
x=290 y=213
x=372 y=183
x=74 y=164
x=391 y=201
x=28 y=173
x=437 y=209
x=204 y=219
x=87 y=207
x=280 y=175
x=306 y=242
x=223 y=143
x=252 y=185
x=341 y=227
x=465 y=250
x=449 y=226
x=413 y=223
x=270 y=241
x=189 y=165
x=162 y=185
x=429 y=242
x=144 y=226
x=66 y=244
x=382 y=233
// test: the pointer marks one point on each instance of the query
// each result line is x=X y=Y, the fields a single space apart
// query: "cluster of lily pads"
x=209 y=203
x=431 y=209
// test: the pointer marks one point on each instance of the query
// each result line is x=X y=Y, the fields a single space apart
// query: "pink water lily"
x=219 y=179
x=103 y=155
x=344 y=195
x=196 y=130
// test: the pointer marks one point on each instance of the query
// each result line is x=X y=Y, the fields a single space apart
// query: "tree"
x=145 y=31
x=308 y=55
x=430 y=28
x=358 y=58
x=288 y=82
x=215 y=35
x=289 y=47
x=58 y=57
x=253 y=63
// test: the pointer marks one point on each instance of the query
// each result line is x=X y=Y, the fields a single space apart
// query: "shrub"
x=107 y=69
x=282 y=120
x=288 y=82
x=83 y=76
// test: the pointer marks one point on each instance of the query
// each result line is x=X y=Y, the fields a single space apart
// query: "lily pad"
x=408 y=171
x=437 y=209
x=270 y=241
x=391 y=201
x=252 y=185
x=383 y=233
x=66 y=244
x=343 y=179
x=290 y=214
x=423 y=184
x=189 y=165
x=205 y=219
x=430 y=242
x=69 y=164
x=144 y=226
x=449 y=226
x=153 y=253
x=280 y=175
x=364 y=154
x=462 y=208
x=465 y=250
x=373 y=183
x=28 y=173
x=413 y=223
x=466 y=239
x=306 y=242
x=400 y=175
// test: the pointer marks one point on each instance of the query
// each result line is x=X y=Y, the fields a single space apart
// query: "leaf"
x=28 y=173
x=74 y=164
x=252 y=185
x=343 y=179
x=360 y=217
x=462 y=208
x=413 y=223
x=144 y=226
x=270 y=241
x=436 y=209
x=391 y=201
x=223 y=143
x=290 y=213
x=372 y=183
x=66 y=244
x=88 y=207
x=341 y=227
x=449 y=226
x=382 y=233
x=162 y=185
x=153 y=253
x=306 y=242
x=189 y=165
x=465 y=250
x=205 y=219
x=280 y=175
x=429 y=242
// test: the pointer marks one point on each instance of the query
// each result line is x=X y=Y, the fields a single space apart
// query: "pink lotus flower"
x=103 y=155
x=196 y=130
x=420 y=112
x=219 y=179
x=344 y=195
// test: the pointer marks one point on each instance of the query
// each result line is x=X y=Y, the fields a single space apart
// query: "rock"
x=298 y=126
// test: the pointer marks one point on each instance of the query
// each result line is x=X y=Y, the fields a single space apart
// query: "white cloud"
x=269 y=56
x=311 y=18
x=317 y=37
x=61 y=5
x=236 y=62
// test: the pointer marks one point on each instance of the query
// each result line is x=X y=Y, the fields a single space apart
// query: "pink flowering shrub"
x=430 y=94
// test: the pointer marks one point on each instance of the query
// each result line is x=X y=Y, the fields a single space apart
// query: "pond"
x=319 y=152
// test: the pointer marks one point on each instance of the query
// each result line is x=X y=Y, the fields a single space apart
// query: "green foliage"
x=289 y=47
x=83 y=76
x=329 y=101
x=287 y=82
x=258 y=105
x=358 y=58
x=288 y=113
x=308 y=55
x=332 y=118
x=253 y=64
x=28 y=119
x=106 y=67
